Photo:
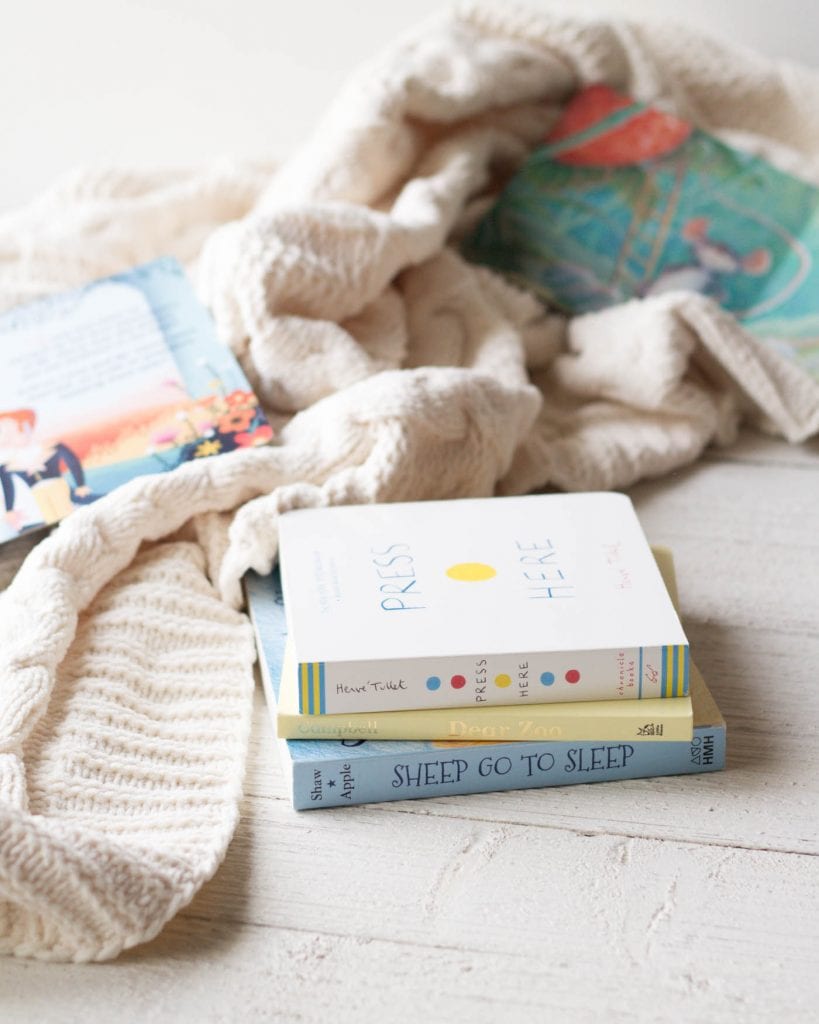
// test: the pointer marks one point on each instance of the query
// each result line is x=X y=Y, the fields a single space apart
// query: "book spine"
x=491 y=767
x=636 y=721
x=486 y=680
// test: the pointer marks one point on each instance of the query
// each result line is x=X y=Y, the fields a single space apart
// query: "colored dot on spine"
x=503 y=680
x=433 y=683
x=457 y=682
x=572 y=676
x=547 y=678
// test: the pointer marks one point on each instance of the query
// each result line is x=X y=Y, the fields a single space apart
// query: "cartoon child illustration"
x=39 y=468
x=710 y=262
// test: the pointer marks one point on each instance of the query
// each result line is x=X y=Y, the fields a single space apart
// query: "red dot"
x=457 y=682
x=572 y=676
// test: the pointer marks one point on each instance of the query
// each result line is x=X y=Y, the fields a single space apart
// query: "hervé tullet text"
x=372 y=686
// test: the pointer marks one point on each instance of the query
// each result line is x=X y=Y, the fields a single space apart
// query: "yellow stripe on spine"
x=680 y=680
x=669 y=672
x=316 y=689
x=303 y=672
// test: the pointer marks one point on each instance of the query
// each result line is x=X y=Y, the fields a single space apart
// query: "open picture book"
x=122 y=377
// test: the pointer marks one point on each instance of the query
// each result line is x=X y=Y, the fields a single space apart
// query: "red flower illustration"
x=235 y=420
x=261 y=435
x=240 y=398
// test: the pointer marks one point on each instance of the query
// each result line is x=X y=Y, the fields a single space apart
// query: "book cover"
x=117 y=379
x=624 y=201
x=477 y=602
x=331 y=773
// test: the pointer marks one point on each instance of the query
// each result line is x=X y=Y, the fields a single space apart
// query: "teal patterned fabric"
x=624 y=202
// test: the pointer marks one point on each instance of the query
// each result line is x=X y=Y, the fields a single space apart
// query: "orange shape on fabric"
x=646 y=135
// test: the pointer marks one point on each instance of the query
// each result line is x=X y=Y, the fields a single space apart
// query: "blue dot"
x=433 y=683
x=547 y=678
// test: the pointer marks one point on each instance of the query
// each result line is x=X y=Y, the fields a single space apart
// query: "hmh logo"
x=702 y=750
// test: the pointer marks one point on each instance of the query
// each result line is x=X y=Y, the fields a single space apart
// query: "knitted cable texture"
x=394 y=370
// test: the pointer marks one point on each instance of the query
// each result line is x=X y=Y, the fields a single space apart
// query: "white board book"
x=477 y=602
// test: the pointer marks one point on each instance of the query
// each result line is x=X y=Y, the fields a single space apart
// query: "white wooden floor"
x=690 y=899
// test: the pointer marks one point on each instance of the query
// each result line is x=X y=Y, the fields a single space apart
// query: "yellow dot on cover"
x=503 y=680
x=471 y=572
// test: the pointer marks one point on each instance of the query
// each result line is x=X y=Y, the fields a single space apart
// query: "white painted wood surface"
x=680 y=899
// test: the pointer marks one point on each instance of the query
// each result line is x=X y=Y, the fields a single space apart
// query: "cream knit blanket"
x=125 y=670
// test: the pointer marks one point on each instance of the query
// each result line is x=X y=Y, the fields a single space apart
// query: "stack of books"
x=452 y=647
